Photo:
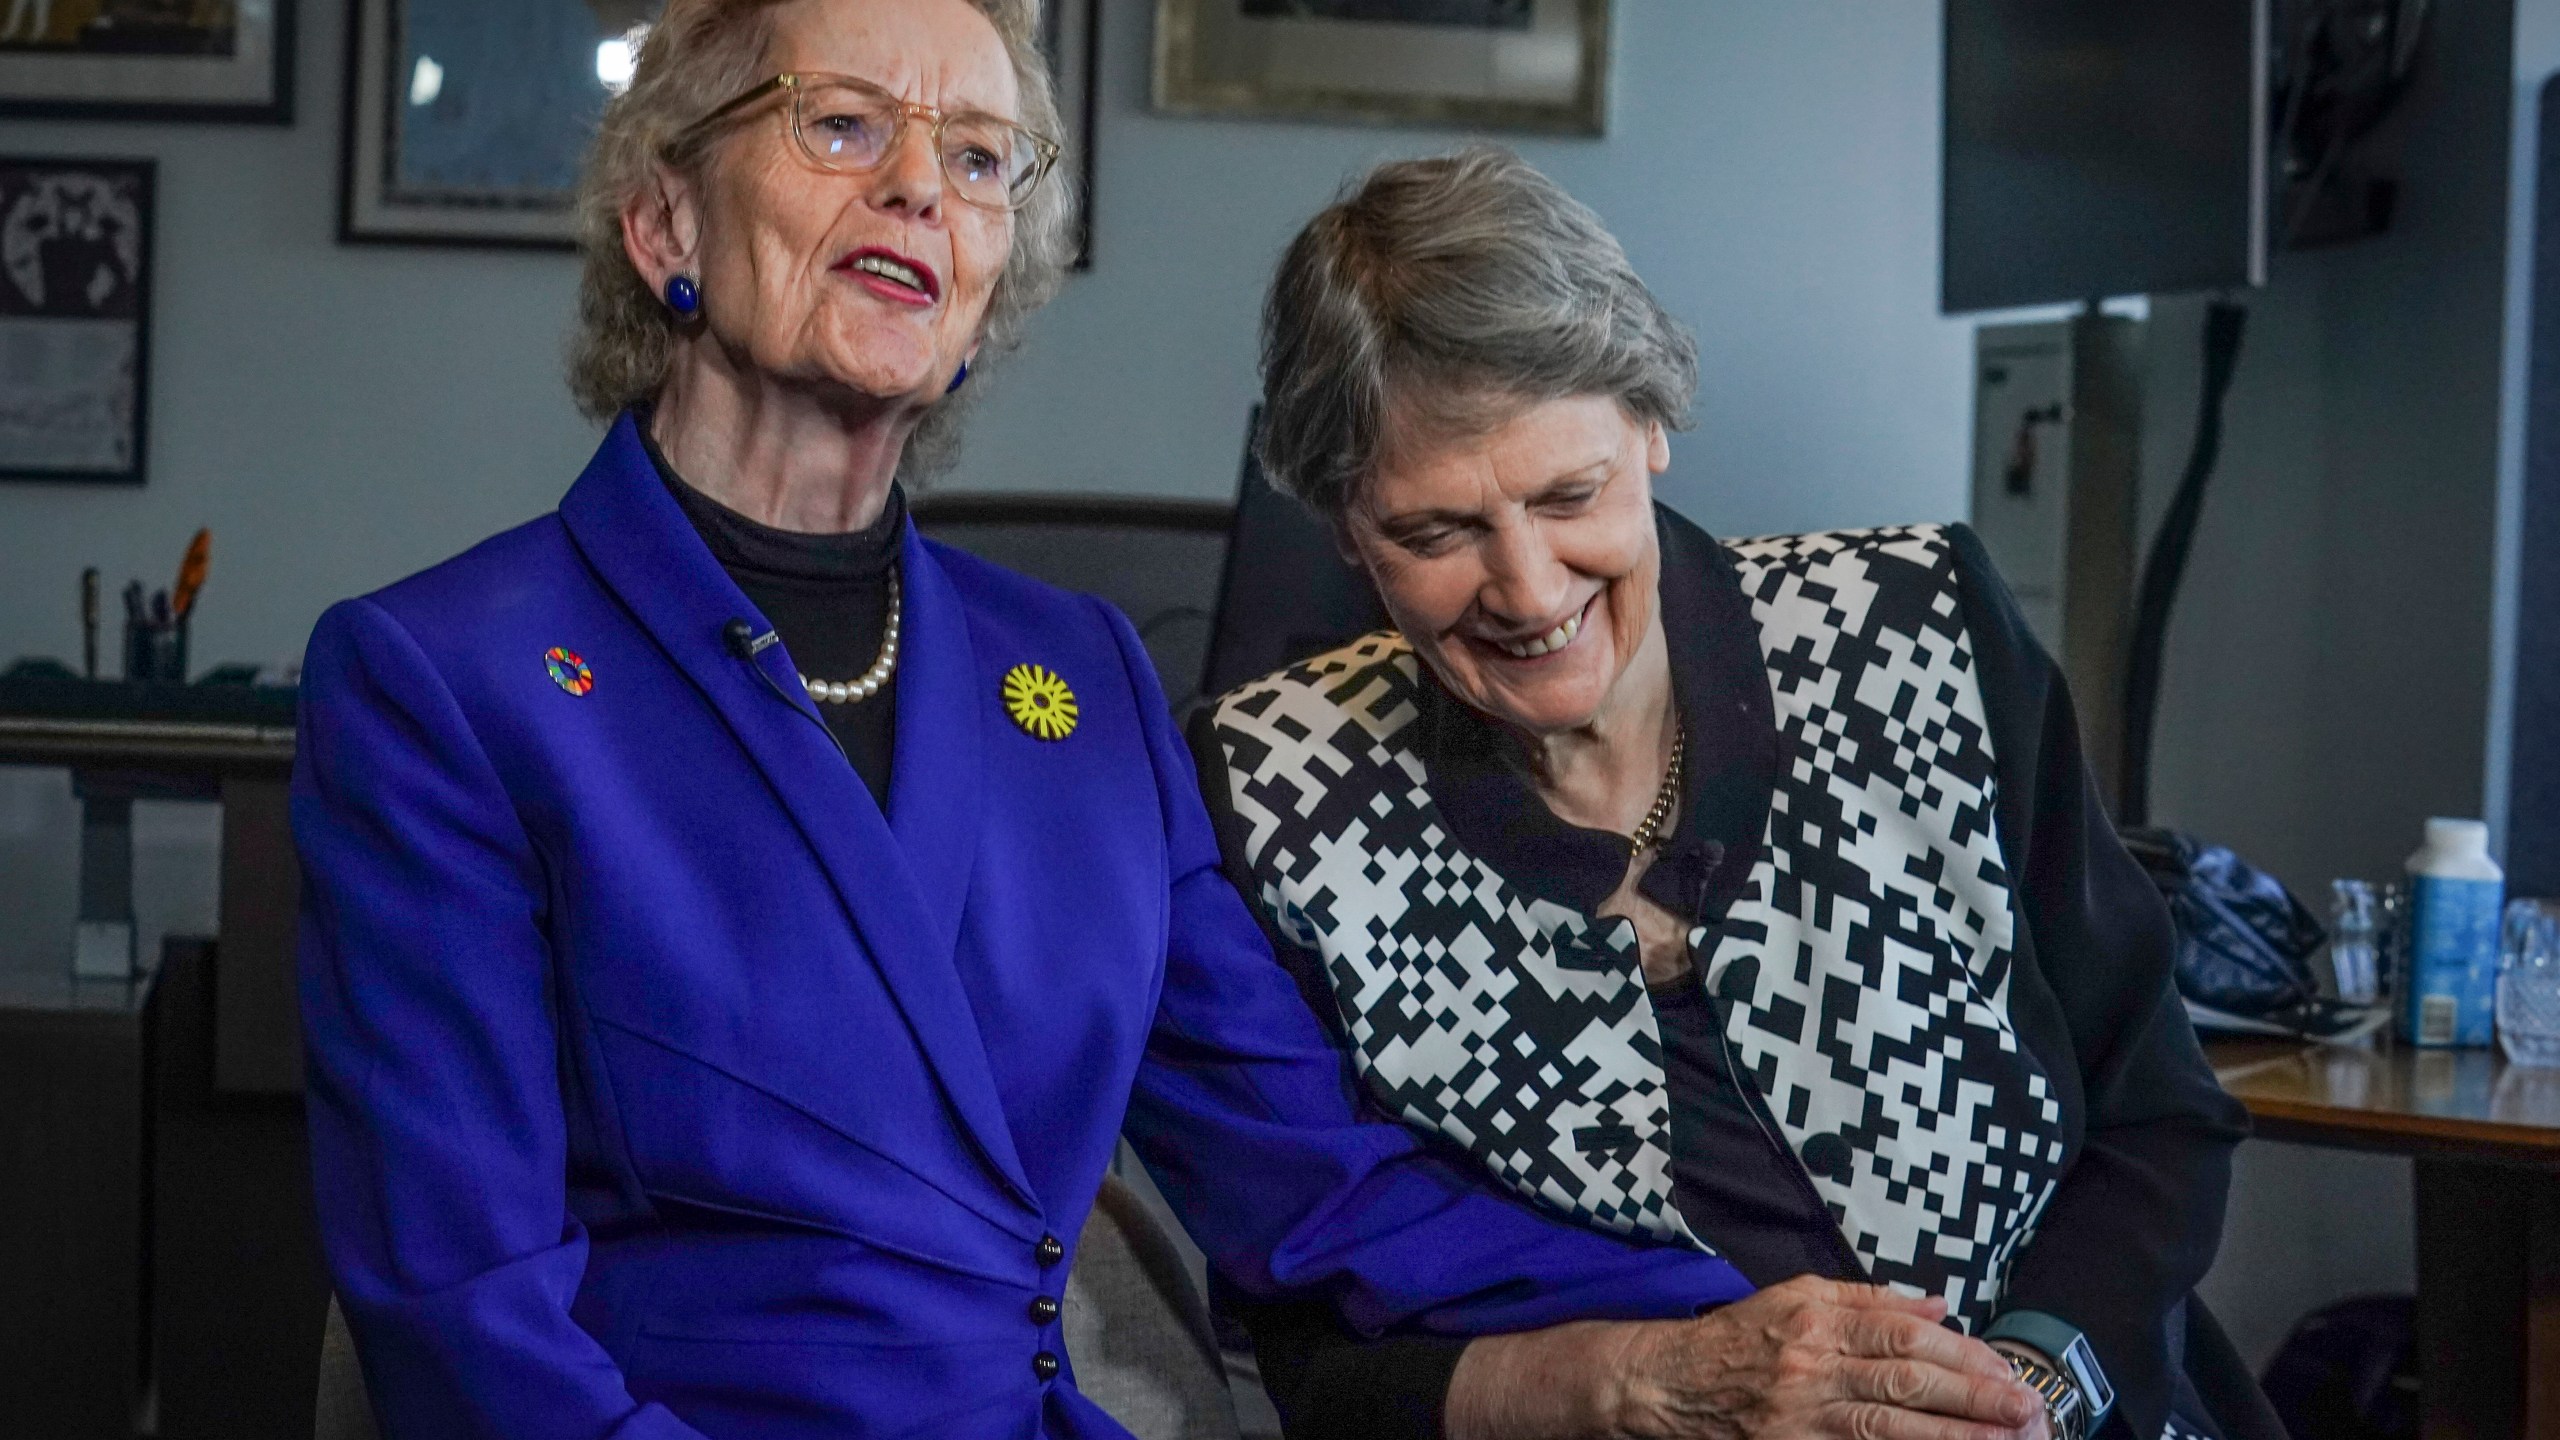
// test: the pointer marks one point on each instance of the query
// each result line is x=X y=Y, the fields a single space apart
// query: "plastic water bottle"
x=2353 y=955
x=2456 y=892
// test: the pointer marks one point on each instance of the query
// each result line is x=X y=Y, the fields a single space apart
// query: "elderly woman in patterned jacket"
x=1744 y=898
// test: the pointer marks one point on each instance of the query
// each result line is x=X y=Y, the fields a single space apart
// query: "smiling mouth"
x=901 y=279
x=1548 y=643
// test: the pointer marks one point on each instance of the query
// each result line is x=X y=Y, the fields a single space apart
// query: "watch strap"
x=2069 y=1348
x=2066 y=1412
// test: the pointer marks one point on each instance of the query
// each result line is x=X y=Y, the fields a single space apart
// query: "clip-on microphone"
x=743 y=642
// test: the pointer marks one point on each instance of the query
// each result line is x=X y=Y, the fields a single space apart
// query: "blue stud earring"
x=684 y=295
x=959 y=380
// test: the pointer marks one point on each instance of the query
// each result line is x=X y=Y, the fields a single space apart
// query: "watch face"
x=2083 y=1365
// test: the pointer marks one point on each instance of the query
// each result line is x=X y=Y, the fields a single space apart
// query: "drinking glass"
x=2354 y=959
x=2529 y=983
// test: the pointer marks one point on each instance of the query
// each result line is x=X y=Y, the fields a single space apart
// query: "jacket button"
x=1043 y=1310
x=1045 y=1365
x=1049 y=1250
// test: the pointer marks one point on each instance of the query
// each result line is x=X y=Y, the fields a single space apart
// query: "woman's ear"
x=1657 y=447
x=662 y=229
x=1343 y=543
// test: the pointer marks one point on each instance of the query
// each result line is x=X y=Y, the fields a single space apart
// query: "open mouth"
x=1548 y=643
x=892 y=276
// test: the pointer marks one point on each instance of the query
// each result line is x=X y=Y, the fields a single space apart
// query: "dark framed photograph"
x=1070 y=33
x=75 y=318
x=467 y=120
x=1537 y=65
x=224 y=60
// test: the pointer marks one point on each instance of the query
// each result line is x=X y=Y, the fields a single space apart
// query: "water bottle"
x=2353 y=954
x=2456 y=891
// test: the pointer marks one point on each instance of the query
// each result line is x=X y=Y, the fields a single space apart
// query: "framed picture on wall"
x=75 y=318
x=226 y=60
x=467 y=120
x=1539 y=65
x=1070 y=32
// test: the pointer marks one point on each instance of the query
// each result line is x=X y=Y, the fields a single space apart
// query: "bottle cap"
x=2444 y=834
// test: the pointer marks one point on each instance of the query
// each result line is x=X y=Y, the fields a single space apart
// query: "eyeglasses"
x=850 y=126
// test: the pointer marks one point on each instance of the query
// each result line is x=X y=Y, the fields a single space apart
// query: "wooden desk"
x=2486 y=1139
x=257 y=1029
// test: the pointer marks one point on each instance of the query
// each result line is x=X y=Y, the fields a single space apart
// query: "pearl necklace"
x=854 y=692
x=1649 y=830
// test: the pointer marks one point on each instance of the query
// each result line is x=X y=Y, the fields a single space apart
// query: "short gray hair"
x=699 y=55
x=1451 y=290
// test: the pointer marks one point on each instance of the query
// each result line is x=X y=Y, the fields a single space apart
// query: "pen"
x=133 y=615
x=89 y=622
x=192 y=571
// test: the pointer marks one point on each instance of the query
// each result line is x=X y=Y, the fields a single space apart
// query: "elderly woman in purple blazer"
x=737 y=931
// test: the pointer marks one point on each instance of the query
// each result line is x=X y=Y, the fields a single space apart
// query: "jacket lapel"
x=646 y=551
x=936 y=789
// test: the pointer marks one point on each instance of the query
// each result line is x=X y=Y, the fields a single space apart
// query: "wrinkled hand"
x=1817 y=1360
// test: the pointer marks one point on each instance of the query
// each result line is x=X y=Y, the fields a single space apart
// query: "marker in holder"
x=155 y=649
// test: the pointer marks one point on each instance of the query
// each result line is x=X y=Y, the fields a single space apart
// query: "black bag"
x=2349 y=1371
x=2244 y=942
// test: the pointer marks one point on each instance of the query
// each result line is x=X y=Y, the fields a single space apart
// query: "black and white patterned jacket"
x=1943 y=983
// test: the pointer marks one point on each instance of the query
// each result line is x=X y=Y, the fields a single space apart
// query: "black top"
x=827 y=596
x=2154 y=1131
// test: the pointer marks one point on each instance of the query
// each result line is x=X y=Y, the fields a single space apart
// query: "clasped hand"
x=1816 y=1358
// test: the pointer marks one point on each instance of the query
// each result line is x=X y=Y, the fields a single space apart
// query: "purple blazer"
x=661 y=1086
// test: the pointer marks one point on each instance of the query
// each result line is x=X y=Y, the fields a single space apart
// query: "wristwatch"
x=2076 y=1393
x=2066 y=1412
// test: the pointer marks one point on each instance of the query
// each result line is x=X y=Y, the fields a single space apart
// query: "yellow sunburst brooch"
x=1040 y=702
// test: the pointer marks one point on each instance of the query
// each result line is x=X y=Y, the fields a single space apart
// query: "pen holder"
x=156 y=653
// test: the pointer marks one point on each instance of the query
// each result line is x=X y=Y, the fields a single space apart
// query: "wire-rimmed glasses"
x=851 y=125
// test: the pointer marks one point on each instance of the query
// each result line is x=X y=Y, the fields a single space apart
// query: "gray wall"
x=2329 y=677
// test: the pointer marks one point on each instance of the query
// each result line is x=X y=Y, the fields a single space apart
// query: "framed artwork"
x=1480 y=64
x=75 y=318
x=1070 y=33
x=467 y=121
x=147 y=60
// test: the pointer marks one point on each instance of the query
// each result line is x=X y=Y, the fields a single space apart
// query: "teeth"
x=889 y=269
x=1549 y=643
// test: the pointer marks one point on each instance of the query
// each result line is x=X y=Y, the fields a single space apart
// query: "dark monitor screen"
x=2098 y=148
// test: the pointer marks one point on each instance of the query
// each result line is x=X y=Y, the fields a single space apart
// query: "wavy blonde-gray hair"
x=697 y=56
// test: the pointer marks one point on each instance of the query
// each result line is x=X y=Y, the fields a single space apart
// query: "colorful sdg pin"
x=1040 y=702
x=568 y=671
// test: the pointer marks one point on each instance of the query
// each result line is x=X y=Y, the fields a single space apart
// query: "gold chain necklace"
x=1649 y=831
x=868 y=684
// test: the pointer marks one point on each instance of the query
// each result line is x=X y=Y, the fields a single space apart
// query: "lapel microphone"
x=743 y=642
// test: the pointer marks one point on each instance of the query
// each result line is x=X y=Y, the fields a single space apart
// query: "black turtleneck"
x=827 y=596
